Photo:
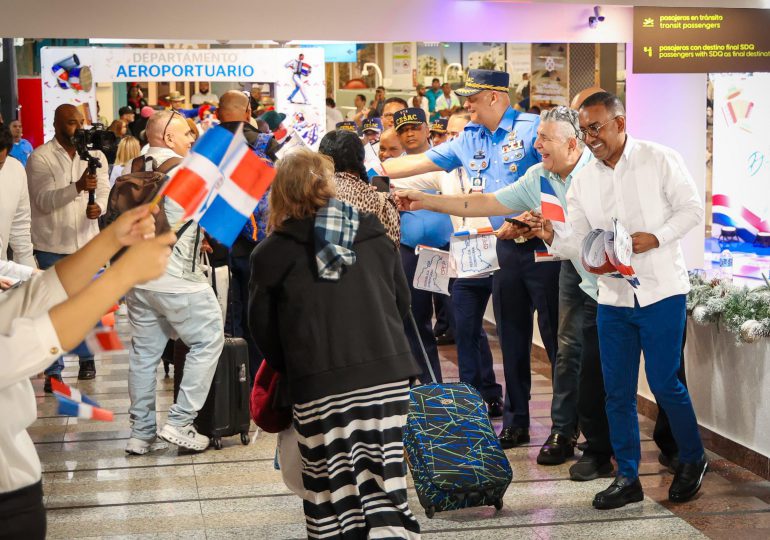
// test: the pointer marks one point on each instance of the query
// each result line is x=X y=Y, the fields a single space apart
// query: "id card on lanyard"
x=478 y=164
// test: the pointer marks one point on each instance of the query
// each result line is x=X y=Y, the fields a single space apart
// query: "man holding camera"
x=63 y=220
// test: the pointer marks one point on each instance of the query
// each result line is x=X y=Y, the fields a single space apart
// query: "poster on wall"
x=549 y=84
x=70 y=74
x=741 y=159
x=402 y=58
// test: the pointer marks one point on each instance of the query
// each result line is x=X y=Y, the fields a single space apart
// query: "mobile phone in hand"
x=518 y=223
x=382 y=183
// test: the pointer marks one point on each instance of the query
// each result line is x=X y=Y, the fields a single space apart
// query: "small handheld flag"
x=61 y=389
x=101 y=340
x=551 y=205
x=68 y=407
x=372 y=163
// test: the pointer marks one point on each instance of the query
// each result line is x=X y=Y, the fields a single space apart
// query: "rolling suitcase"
x=226 y=411
x=452 y=449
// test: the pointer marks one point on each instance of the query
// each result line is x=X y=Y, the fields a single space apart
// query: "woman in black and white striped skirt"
x=328 y=297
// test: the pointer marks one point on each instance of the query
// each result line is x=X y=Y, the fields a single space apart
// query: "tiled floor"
x=94 y=490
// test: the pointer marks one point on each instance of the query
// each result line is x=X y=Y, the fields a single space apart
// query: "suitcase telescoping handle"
x=422 y=346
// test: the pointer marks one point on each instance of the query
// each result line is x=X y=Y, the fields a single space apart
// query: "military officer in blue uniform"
x=497 y=148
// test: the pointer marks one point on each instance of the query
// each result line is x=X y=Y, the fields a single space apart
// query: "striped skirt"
x=353 y=466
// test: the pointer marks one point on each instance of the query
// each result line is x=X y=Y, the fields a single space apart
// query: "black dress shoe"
x=621 y=492
x=591 y=467
x=87 y=370
x=47 y=384
x=495 y=408
x=669 y=462
x=511 y=437
x=556 y=450
x=445 y=339
x=687 y=480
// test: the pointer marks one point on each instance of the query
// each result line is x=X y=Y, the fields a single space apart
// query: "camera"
x=96 y=138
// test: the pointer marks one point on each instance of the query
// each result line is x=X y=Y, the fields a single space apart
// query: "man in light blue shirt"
x=497 y=148
x=21 y=147
x=578 y=385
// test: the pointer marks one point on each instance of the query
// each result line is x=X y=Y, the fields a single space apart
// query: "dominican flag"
x=199 y=171
x=68 y=407
x=246 y=177
x=103 y=339
x=63 y=390
x=551 y=206
x=729 y=214
x=372 y=162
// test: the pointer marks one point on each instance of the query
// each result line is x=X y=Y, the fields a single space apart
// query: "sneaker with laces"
x=139 y=447
x=184 y=436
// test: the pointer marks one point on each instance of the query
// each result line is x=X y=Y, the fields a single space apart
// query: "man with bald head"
x=181 y=303
x=62 y=219
x=390 y=145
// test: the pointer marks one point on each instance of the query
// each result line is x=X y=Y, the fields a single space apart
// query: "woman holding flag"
x=49 y=314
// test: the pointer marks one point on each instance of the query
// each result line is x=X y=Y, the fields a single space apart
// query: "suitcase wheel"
x=430 y=512
x=244 y=438
x=217 y=443
x=499 y=504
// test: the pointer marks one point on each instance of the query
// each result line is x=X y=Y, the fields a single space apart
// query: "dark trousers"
x=422 y=310
x=657 y=331
x=566 y=372
x=45 y=260
x=520 y=287
x=474 y=357
x=592 y=414
x=442 y=306
x=240 y=272
x=662 y=434
x=22 y=514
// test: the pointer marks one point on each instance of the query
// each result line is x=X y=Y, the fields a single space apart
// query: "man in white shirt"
x=48 y=314
x=419 y=101
x=447 y=103
x=180 y=303
x=333 y=115
x=204 y=95
x=63 y=221
x=361 y=111
x=647 y=187
x=14 y=205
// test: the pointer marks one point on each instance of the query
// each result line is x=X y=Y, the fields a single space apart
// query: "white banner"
x=741 y=159
x=70 y=74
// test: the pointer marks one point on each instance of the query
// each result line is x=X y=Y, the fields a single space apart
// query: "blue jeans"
x=45 y=260
x=474 y=358
x=155 y=317
x=422 y=309
x=656 y=330
x=520 y=287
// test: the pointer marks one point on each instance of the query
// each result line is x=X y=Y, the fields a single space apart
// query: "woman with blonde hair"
x=128 y=149
x=327 y=301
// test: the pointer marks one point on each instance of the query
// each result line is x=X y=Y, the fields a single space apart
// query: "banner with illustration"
x=549 y=84
x=741 y=154
x=70 y=74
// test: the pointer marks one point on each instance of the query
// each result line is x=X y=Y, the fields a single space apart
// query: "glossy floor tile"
x=94 y=490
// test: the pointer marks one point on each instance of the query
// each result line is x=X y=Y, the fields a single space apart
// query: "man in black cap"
x=420 y=228
x=497 y=148
x=370 y=131
x=126 y=115
x=438 y=133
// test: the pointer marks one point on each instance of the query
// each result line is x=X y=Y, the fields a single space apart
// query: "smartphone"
x=518 y=222
x=382 y=183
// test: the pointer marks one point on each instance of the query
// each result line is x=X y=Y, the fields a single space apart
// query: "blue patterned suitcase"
x=454 y=455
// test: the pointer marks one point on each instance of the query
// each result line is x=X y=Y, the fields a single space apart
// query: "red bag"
x=265 y=411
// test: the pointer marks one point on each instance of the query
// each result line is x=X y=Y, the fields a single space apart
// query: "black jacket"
x=330 y=337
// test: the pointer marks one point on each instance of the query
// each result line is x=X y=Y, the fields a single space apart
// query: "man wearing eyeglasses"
x=497 y=149
x=180 y=304
x=648 y=188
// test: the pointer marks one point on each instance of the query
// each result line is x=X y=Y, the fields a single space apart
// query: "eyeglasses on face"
x=593 y=131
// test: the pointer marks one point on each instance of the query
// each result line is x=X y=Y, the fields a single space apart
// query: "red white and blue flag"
x=199 y=171
x=103 y=339
x=551 y=206
x=63 y=390
x=730 y=214
x=68 y=407
x=246 y=177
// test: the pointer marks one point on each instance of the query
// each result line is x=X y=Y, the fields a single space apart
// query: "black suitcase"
x=226 y=411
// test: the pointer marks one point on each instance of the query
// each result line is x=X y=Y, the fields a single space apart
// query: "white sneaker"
x=184 y=436
x=139 y=447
